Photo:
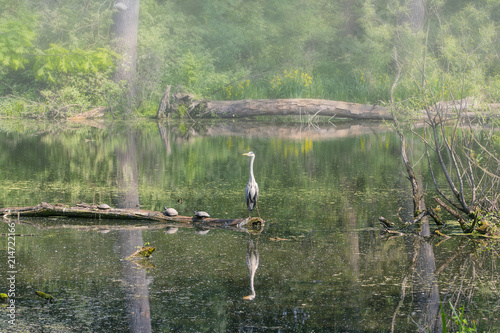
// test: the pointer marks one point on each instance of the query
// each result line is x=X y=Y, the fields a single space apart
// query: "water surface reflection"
x=320 y=264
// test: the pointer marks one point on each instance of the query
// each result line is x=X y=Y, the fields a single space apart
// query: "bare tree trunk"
x=416 y=15
x=125 y=28
x=295 y=107
x=349 y=26
x=164 y=104
x=127 y=176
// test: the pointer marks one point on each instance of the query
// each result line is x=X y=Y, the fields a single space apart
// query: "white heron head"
x=250 y=153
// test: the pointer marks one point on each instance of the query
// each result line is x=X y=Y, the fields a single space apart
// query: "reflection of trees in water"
x=428 y=288
x=476 y=262
x=421 y=278
x=135 y=279
x=127 y=183
x=184 y=131
x=179 y=134
x=136 y=283
x=425 y=288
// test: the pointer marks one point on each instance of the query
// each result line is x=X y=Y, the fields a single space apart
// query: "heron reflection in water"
x=252 y=258
x=252 y=189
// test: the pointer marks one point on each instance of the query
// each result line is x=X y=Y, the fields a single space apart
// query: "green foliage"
x=72 y=23
x=197 y=74
x=16 y=41
x=291 y=83
x=44 y=78
x=240 y=91
x=188 y=71
x=12 y=106
x=446 y=60
x=58 y=60
x=467 y=40
x=80 y=92
x=352 y=50
x=458 y=318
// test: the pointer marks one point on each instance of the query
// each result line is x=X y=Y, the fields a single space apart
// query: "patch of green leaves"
x=58 y=59
x=16 y=38
x=458 y=318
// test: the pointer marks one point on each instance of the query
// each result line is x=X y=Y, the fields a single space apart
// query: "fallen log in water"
x=94 y=212
x=295 y=107
x=302 y=107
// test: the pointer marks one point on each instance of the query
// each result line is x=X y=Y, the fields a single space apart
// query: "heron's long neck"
x=252 y=178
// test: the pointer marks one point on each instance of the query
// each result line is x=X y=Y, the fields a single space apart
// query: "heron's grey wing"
x=251 y=193
x=256 y=191
x=247 y=194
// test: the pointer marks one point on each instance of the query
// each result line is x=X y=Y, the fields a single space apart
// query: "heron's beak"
x=245 y=154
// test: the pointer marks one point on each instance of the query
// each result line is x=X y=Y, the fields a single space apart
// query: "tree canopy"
x=59 y=56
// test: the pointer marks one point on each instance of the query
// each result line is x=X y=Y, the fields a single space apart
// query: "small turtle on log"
x=104 y=206
x=170 y=211
x=201 y=214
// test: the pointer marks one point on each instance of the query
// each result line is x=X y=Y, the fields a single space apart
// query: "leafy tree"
x=58 y=59
x=16 y=41
x=353 y=50
x=49 y=57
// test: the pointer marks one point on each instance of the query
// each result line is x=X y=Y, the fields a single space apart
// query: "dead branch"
x=417 y=195
x=164 y=103
x=435 y=216
x=455 y=214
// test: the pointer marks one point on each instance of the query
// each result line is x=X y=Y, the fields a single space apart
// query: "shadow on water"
x=321 y=263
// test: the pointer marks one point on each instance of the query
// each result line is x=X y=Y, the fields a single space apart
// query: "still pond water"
x=320 y=264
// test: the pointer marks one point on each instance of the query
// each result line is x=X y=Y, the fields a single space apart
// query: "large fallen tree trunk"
x=185 y=103
x=294 y=107
x=93 y=212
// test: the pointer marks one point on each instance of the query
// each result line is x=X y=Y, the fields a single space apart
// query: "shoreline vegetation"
x=186 y=106
x=59 y=60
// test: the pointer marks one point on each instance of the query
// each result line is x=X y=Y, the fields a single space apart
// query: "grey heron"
x=252 y=189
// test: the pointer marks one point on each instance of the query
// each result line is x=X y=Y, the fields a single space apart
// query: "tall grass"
x=361 y=87
x=457 y=318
